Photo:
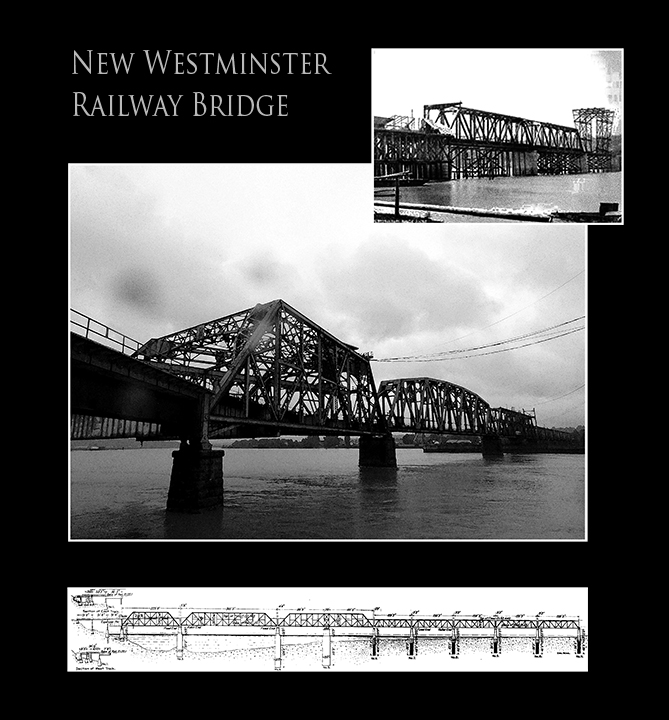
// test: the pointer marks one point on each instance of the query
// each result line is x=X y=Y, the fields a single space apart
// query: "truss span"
x=452 y=142
x=478 y=126
x=269 y=370
x=161 y=619
x=271 y=367
x=433 y=406
x=427 y=405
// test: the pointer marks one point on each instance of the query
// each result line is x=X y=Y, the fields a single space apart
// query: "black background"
x=328 y=116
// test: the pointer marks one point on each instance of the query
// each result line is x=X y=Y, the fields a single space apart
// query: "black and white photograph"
x=253 y=358
x=498 y=135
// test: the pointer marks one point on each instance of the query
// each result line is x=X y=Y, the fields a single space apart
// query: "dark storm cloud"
x=124 y=249
x=139 y=288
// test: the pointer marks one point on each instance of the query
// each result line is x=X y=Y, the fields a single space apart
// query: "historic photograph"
x=497 y=135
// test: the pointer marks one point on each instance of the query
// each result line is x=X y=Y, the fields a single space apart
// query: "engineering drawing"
x=108 y=631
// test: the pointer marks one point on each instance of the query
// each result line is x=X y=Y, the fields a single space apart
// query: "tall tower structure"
x=595 y=127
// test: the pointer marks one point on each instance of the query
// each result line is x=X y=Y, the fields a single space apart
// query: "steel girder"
x=319 y=619
x=471 y=125
x=476 y=143
x=227 y=619
x=511 y=423
x=325 y=619
x=150 y=618
x=427 y=405
x=271 y=366
x=595 y=126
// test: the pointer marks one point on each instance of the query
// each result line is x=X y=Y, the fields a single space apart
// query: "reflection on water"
x=323 y=494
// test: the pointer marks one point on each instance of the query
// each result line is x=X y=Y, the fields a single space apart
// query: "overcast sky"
x=158 y=248
x=537 y=84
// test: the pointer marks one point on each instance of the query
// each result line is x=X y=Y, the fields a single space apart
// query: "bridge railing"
x=90 y=328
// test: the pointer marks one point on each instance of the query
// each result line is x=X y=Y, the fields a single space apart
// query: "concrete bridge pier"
x=196 y=482
x=375 y=644
x=496 y=643
x=377 y=451
x=538 y=643
x=491 y=446
x=327 y=647
x=277 y=649
x=412 y=644
x=454 y=643
x=180 y=644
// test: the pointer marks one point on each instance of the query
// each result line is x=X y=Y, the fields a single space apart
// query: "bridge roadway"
x=262 y=372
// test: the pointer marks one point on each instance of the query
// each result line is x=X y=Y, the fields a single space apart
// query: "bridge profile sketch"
x=282 y=638
x=263 y=372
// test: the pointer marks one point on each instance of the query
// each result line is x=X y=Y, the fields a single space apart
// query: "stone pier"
x=327 y=647
x=377 y=451
x=197 y=479
x=277 y=649
x=491 y=446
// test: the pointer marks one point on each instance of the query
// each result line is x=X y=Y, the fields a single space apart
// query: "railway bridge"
x=452 y=142
x=261 y=372
x=328 y=625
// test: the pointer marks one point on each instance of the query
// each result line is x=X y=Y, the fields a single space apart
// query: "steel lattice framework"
x=269 y=370
x=272 y=367
x=595 y=126
x=426 y=405
x=433 y=406
x=467 y=124
x=341 y=619
x=227 y=619
x=453 y=142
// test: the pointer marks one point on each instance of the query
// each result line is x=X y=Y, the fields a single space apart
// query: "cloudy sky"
x=158 y=248
x=537 y=84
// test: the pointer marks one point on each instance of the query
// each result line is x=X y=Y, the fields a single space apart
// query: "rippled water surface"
x=323 y=494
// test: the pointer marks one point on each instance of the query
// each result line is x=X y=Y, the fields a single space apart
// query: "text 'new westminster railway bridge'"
x=263 y=372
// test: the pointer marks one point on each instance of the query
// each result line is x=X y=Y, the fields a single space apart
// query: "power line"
x=561 y=396
x=492 y=352
x=518 y=337
x=534 y=302
x=449 y=354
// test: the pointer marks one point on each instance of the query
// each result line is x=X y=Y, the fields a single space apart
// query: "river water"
x=543 y=193
x=323 y=494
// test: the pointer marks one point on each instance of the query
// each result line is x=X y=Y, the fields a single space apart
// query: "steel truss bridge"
x=330 y=624
x=426 y=405
x=340 y=619
x=451 y=142
x=264 y=371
